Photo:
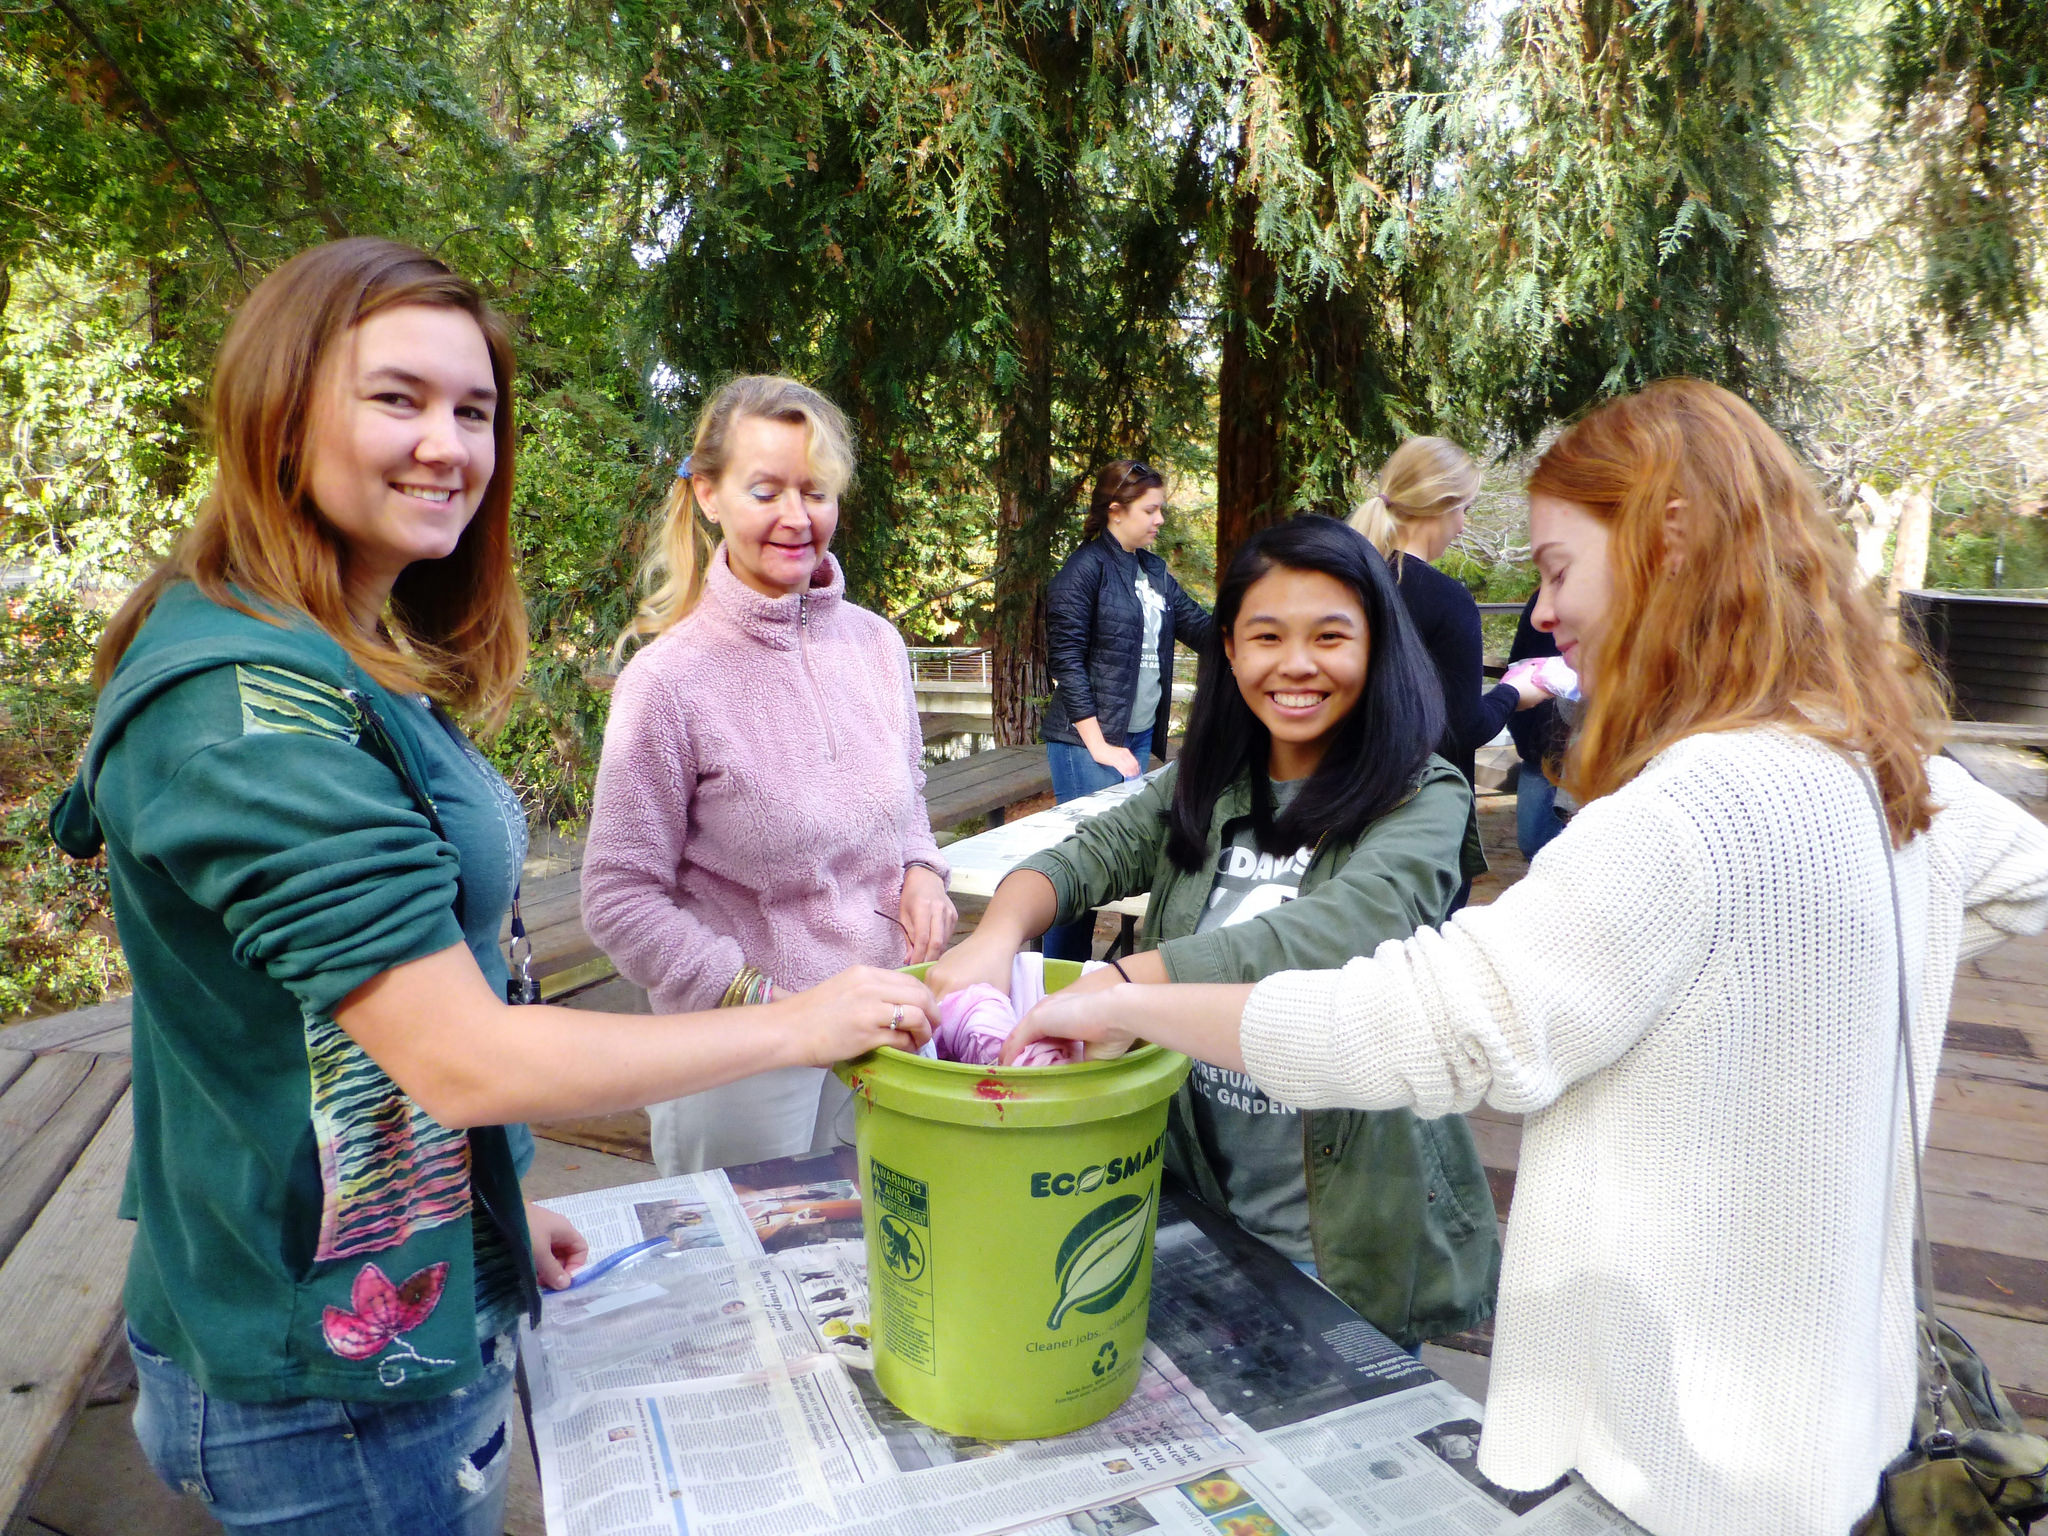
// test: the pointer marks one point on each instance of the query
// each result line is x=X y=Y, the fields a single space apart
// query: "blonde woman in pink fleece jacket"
x=759 y=822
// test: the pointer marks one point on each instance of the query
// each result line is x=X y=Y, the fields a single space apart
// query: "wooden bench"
x=984 y=784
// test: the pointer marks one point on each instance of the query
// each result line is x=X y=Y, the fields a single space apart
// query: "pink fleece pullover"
x=759 y=795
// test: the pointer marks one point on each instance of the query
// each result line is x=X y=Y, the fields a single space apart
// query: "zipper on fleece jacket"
x=803 y=650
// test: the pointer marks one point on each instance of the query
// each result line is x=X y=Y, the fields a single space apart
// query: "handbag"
x=1971 y=1468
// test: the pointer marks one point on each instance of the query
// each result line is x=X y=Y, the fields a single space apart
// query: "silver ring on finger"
x=896 y=1018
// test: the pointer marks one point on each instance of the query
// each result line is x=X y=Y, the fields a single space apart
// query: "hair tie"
x=683 y=469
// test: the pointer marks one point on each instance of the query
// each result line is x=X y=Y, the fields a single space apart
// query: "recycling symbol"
x=902 y=1252
x=1105 y=1359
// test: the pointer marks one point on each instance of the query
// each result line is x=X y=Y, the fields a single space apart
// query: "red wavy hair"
x=1763 y=618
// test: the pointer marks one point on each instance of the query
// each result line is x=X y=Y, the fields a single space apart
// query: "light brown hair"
x=1761 y=619
x=1424 y=479
x=674 y=570
x=457 y=625
x=1118 y=483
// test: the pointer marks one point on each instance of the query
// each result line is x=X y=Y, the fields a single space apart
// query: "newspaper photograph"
x=1268 y=1498
x=1265 y=1342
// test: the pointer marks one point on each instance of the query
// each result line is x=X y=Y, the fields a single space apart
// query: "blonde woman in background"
x=1415 y=512
x=759 y=821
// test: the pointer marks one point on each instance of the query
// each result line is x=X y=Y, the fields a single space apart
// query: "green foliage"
x=57 y=946
x=1615 y=214
x=1970 y=547
x=1968 y=85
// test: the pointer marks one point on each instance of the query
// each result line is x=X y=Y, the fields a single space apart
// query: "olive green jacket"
x=1400 y=1212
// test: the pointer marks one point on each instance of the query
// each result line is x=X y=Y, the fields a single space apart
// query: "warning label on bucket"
x=902 y=1241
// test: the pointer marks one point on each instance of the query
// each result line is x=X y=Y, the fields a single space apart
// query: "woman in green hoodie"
x=1304 y=823
x=310 y=864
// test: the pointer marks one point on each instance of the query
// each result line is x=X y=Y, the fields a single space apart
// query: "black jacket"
x=1447 y=619
x=1540 y=733
x=1094 y=629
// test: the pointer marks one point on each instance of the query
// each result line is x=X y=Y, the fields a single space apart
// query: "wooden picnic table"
x=980 y=862
x=64 y=1138
x=984 y=784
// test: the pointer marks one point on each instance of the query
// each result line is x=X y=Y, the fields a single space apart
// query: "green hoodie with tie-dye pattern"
x=304 y=1229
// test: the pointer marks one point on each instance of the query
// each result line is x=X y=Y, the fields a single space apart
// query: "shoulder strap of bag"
x=1933 y=1369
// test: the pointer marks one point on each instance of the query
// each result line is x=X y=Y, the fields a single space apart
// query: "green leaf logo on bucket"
x=1100 y=1258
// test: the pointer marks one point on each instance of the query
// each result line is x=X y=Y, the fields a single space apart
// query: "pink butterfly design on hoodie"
x=382 y=1312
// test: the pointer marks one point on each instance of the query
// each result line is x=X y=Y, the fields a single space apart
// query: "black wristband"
x=1122 y=972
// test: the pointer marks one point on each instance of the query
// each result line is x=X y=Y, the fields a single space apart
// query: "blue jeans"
x=1074 y=774
x=1536 y=818
x=316 y=1467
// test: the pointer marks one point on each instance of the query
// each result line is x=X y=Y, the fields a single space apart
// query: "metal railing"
x=970 y=664
x=949 y=664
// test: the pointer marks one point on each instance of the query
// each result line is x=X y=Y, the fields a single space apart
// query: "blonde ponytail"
x=673 y=572
x=1375 y=520
x=1424 y=479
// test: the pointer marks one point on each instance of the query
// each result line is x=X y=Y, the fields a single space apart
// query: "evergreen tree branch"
x=162 y=130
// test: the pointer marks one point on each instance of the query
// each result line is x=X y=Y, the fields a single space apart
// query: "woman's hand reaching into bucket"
x=853 y=1013
x=1200 y=1021
x=1022 y=908
x=985 y=957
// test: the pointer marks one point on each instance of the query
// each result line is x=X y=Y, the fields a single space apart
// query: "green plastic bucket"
x=1009 y=1218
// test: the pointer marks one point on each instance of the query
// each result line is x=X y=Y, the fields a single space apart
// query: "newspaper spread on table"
x=719 y=1383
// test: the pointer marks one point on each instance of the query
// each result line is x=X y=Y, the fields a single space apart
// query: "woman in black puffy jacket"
x=1112 y=616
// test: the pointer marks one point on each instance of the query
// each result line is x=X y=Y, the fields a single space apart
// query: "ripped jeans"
x=318 y=1467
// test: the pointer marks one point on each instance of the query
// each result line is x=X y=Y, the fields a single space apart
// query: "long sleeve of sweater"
x=2000 y=854
x=639 y=831
x=1447 y=619
x=918 y=842
x=1473 y=718
x=1510 y=1002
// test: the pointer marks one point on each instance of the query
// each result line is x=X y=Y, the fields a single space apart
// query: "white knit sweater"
x=1692 y=997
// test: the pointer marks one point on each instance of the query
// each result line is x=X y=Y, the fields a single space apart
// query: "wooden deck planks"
x=59 y=1289
x=48 y=1115
x=65 y=1031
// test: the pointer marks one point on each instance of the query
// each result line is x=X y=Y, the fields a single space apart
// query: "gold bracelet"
x=750 y=986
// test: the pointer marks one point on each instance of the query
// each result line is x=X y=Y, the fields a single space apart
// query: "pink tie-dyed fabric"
x=975 y=1021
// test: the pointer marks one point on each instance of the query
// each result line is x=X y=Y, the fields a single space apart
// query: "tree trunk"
x=1039 y=195
x=1871 y=518
x=1251 y=382
x=1909 y=549
x=1026 y=507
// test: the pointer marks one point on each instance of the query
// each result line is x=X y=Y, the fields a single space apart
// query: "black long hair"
x=1379 y=747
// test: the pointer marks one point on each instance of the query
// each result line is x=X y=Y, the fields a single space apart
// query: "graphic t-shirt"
x=1145 y=701
x=483 y=818
x=1252 y=1142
